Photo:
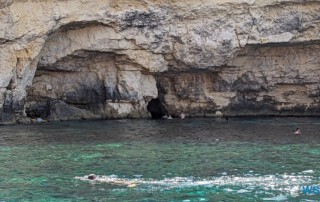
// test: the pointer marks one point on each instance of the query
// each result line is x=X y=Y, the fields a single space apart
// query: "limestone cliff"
x=81 y=59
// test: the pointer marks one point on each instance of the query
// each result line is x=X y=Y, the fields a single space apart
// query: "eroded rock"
x=59 y=61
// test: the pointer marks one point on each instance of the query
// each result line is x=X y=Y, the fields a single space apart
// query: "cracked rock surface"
x=63 y=60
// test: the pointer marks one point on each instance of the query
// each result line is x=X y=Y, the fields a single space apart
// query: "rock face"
x=62 y=60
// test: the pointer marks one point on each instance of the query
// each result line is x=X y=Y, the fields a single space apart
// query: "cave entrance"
x=91 y=72
x=156 y=109
x=73 y=87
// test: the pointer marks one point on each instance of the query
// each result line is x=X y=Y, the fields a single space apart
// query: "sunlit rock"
x=59 y=61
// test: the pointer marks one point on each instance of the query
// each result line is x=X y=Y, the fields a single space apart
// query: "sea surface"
x=243 y=159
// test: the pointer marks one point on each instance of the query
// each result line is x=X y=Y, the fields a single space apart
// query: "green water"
x=245 y=159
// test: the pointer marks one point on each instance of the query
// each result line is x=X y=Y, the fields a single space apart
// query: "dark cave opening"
x=156 y=109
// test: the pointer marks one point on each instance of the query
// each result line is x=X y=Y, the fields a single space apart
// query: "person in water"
x=297 y=131
x=182 y=116
x=115 y=181
x=92 y=177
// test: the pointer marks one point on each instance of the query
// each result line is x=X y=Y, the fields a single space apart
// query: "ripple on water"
x=286 y=185
x=244 y=155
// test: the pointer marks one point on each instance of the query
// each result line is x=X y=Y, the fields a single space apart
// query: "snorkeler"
x=115 y=181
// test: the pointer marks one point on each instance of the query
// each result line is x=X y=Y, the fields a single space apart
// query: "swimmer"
x=297 y=131
x=182 y=116
x=92 y=177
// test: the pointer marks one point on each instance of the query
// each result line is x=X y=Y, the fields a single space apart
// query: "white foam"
x=137 y=176
x=288 y=185
x=228 y=190
x=276 y=198
x=241 y=191
x=308 y=171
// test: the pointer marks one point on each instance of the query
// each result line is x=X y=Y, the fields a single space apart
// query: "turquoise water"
x=245 y=159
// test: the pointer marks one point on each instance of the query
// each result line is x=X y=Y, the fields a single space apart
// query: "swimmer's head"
x=92 y=177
